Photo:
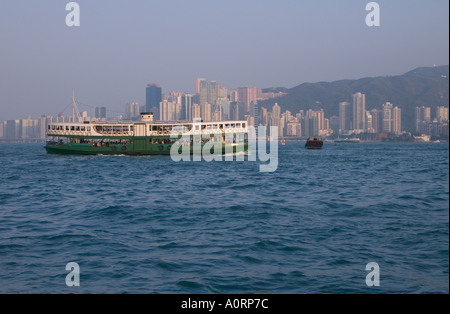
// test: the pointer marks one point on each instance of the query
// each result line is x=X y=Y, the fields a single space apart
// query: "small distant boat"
x=422 y=138
x=283 y=142
x=314 y=143
x=347 y=140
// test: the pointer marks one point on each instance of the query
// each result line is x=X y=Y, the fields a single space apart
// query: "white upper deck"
x=145 y=128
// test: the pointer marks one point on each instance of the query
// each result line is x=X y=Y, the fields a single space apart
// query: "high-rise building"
x=132 y=110
x=223 y=93
x=168 y=111
x=276 y=111
x=387 y=117
x=310 y=126
x=202 y=91
x=153 y=96
x=234 y=95
x=247 y=95
x=423 y=116
x=369 y=122
x=376 y=120
x=213 y=92
x=100 y=112
x=345 y=117
x=237 y=111
x=197 y=85
x=206 y=111
x=225 y=109
x=186 y=107
x=442 y=114
x=196 y=111
x=264 y=117
x=396 y=120
x=294 y=128
x=359 y=112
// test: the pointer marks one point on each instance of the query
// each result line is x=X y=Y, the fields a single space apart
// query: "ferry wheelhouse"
x=145 y=137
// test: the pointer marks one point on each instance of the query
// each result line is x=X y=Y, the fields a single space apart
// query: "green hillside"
x=427 y=86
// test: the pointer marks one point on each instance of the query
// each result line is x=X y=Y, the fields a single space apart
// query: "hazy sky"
x=121 y=46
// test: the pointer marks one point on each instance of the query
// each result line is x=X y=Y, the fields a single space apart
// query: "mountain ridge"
x=422 y=86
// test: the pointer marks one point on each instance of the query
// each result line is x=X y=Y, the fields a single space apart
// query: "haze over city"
x=121 y=46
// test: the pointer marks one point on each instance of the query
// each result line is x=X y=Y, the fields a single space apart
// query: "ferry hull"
x=130 y=149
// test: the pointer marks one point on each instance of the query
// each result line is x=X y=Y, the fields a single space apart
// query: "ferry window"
x=67 y=128
x=83 y=128
x=227 y=126
x=233 y=125
x=78 y=128
x=89 y=129
x=72 y=128
x=221 y=126
x=53 y=127
x=238 y=125
x=243 y=125
x=49 y=127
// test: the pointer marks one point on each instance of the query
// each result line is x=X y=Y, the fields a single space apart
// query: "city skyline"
x=252 y=43
x=243 y=104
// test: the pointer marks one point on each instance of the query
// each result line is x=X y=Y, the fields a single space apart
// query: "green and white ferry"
x=145 y=137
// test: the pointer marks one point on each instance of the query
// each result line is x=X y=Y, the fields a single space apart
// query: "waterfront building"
x=387 y=117
x=359 y=112
x=345 y=117
x=442 y=114
x=423 y=116
x=396 y=120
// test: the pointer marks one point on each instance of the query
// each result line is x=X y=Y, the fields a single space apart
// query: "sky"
x=121 y=46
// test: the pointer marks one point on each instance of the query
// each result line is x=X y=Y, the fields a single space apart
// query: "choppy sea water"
x=151 y=225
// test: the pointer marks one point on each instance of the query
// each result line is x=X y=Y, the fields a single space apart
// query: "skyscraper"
x=206 y=111
x=202 y=91
x=186 y=107
x=442 y=114
x=168 y=110
x=359 y=112
x=100 y=112
x=423 y=115
x=387 y=117
x=153 y=97
x=396 y=120
x=132 y=110
x=213 y=92
x=376 y=120
x=196 y=111
x=247 y=95
x=345 y=117
x=197 y=85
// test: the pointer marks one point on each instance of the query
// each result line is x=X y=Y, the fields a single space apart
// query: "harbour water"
x=151 y=225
